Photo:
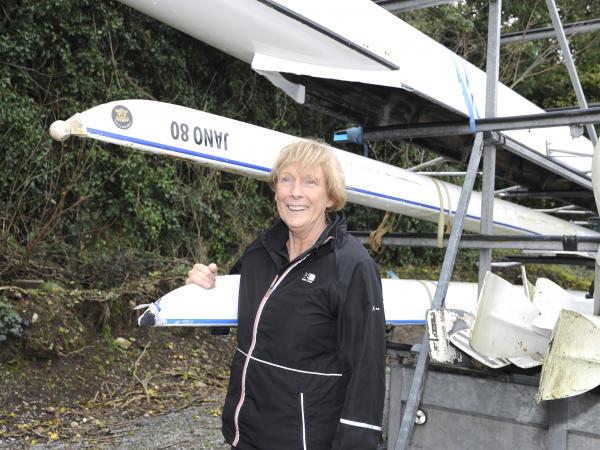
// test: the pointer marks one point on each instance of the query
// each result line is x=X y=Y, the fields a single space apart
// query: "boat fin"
x=549 y=298
x=296 y=91
x=572 y=366
x=503 y=324
x=272 y=64
x=527 y=362
x=528 y=287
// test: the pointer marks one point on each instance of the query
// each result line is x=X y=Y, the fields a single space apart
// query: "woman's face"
x=302 y=199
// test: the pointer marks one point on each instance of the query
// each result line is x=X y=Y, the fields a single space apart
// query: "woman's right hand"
x=202 y=275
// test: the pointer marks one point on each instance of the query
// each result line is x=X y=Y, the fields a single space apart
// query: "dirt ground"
x=84 y=375
x=165 y=390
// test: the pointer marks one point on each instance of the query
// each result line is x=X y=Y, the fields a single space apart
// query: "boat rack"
x=486 y=142
x=478 y=241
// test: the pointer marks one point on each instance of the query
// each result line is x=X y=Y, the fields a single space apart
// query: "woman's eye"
x=285 y=180
x=310 y=182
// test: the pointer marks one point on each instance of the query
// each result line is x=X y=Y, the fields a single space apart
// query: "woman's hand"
x=202 y=275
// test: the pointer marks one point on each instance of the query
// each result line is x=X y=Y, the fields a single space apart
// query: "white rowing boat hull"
x=353 y=41
x=233 y=146
x=405 y=303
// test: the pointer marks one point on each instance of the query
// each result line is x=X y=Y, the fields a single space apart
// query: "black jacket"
x=309 y=371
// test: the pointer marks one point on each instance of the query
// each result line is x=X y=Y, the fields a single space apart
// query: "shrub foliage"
x=64 y=56
x=58 y=57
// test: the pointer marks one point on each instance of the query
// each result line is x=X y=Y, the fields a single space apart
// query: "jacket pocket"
x=302 y=421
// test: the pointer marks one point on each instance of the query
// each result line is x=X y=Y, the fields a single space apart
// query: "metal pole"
x=434 y=162
x=463 y=127
x=549 y=32
x=445 y=174
x=537 y=243
x=416 y=387
x=395 y=401
x=596 y=189
x=566 y=52
x=596 y=310
x=489 y=152
x=409 y=5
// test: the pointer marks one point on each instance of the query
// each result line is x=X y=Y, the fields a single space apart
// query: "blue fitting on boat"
x=353 y=135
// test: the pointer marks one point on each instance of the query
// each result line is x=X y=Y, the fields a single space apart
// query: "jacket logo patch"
x=376 y=308
x=308 y=277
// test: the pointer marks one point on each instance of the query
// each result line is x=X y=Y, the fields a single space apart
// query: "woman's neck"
x=299 y=242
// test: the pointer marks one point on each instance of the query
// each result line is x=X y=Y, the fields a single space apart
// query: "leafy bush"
x=59 y=57
x=64 y=56
x=11 y=323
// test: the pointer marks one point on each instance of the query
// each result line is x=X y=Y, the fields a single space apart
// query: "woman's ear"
x=329 y=202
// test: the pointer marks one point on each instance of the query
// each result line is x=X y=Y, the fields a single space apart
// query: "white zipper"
x=303 y=421
x=276 y=281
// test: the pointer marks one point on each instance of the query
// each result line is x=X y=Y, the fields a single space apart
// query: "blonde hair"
x=310 y=153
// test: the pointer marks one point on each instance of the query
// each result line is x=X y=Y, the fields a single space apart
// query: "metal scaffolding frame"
x=571 y=117
x=477 y=241
x=409 y=5
x=571 y=29
x=416 y=388
x=566 y=54
x=489 y=128
x=489 y=155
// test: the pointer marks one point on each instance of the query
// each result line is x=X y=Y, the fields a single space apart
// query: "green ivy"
x=58 y=57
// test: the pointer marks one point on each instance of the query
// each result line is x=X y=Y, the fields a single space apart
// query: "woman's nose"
x=297 y=188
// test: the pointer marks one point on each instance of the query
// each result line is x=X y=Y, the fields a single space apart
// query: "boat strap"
x=441 y=216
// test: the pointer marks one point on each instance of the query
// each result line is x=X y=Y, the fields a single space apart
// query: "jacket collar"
x=275 y=238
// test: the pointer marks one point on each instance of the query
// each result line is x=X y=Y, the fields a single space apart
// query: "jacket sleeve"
x=361 y=338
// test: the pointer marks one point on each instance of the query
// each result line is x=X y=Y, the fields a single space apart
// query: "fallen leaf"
x=122 y=343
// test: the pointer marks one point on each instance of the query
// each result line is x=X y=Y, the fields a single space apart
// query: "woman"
x=309 y=370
